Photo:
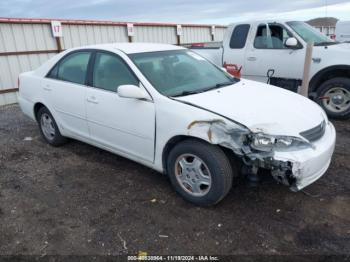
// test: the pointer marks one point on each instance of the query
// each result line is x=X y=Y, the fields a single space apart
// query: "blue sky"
x=176 y=11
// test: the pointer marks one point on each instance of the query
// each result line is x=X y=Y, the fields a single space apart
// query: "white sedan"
x=168 y=108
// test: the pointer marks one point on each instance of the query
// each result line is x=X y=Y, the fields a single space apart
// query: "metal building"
x=27 y=43
x=325 y=25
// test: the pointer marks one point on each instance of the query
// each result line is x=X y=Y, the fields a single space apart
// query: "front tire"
x=334 y=97
x=200 y=172
x=49 y=129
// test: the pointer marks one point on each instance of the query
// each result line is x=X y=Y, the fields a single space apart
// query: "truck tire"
x=334 y=97
x=200 y=172
x=49 y=129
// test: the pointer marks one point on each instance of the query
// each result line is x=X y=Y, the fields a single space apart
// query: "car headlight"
x=264 y=142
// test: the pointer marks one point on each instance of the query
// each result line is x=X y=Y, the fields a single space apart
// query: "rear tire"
x=334 y=97
x=49 y=129
x=200 y=172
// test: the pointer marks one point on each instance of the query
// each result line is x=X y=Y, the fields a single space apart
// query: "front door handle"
x=251 y=58
x=92 y=100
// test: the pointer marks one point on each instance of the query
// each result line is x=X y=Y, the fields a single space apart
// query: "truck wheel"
x=200 y=172
x=49 y=129
x=334 y=97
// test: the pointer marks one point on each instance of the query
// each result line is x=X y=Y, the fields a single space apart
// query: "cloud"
x=178 y=11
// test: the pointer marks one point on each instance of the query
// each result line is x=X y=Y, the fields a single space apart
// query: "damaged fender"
x=234 y=137
x=288 y=171
x=219 y=132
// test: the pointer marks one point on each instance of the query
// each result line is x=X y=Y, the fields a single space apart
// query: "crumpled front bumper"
x=310 y=164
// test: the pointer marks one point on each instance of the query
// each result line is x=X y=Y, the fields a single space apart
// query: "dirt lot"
x=81 y=200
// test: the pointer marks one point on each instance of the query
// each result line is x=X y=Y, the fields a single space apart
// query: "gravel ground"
x=81 y=200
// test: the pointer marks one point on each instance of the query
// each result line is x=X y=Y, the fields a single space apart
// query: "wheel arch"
x=169 y=145
x=328 y=73
x=172 y=142
x=40 y=104
x=36 y=109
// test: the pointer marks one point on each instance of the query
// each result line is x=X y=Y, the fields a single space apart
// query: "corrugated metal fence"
x=27 y=43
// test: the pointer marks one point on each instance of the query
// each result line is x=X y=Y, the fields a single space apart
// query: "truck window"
x=239 y=36
x=271 y=37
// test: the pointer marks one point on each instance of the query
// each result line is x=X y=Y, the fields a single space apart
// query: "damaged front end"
x=256 y=149
x=218 y=132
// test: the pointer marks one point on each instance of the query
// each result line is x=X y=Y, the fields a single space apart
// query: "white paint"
x=24 y=37
x=279 y=111
x=131 y=91
x=139 y=129
x=288 y=63
x=342 y=31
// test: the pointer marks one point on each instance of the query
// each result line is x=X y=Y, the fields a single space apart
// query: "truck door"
x=234 y=52
x=267 y=55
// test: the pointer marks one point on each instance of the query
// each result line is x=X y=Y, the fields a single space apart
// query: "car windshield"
x=310 y=34
x=180 y=72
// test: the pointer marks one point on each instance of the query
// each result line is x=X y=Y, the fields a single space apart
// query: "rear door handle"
x=92 y=100
x=251 y=58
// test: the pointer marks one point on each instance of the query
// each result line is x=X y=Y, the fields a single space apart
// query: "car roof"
x=133 y=48
x=262 y=21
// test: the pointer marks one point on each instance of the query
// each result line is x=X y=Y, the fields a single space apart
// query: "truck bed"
x=211 y=50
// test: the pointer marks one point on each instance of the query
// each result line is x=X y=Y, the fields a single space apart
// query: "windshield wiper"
x=219 y=85
x=186 y=93
x=224 y=84
x=325 y=43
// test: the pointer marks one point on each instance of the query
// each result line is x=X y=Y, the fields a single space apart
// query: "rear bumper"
x=26 y=106
x=310 y=164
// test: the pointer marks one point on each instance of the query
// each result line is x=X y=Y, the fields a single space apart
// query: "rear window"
x=239 y=36
x=71 y=68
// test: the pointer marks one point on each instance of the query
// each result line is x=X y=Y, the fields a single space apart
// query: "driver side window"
x=110 y=72
x=272 y=36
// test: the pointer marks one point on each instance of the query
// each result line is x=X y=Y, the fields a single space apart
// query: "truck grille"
x=315 y=133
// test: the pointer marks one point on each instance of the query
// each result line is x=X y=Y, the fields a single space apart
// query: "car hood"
x=261 y=107
x=341 y=48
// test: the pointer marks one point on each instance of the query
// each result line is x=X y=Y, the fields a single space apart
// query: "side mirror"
x=132 y=91
x=291 y=42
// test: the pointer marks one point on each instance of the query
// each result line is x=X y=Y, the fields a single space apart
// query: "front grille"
x=315 y=133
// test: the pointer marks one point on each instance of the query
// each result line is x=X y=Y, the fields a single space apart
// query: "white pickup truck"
x=274 y=52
